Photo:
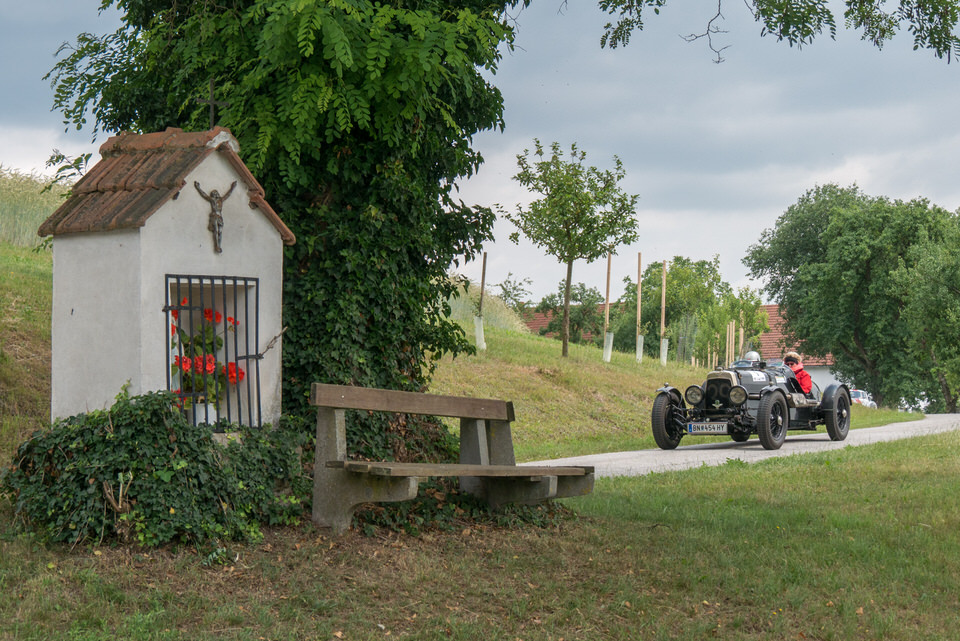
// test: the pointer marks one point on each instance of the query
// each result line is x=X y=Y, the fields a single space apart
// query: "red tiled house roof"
x=139 y=173
x=535 y=321
x=773 y=343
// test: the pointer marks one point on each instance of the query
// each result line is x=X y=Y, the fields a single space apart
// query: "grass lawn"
x=859 y=543
x=855 y=544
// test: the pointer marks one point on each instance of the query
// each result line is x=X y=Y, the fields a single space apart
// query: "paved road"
x=645 y=461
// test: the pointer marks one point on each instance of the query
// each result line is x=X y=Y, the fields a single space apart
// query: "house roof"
x=139 y=173
x=773 y=343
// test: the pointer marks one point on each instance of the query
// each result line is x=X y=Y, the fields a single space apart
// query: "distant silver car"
x=863 y=398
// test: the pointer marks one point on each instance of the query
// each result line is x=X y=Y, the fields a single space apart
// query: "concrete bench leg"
x=500 y=491
x=485 y=443
x=574 y=485
x=336 y=492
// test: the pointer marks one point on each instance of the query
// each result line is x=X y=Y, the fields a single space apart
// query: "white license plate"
x=707 y=428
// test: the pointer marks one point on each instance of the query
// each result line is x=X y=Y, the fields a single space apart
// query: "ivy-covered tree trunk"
x=357 y=118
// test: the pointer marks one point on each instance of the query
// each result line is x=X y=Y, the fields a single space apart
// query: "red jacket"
x=806 y=383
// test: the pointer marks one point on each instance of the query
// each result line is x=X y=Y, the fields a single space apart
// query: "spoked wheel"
x=772 y=421
x=838 y=417
x=666 y=431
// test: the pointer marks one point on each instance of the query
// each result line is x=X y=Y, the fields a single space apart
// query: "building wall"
x=176 y=240
x=821 y=376
x=95 y=331
x=109 y=292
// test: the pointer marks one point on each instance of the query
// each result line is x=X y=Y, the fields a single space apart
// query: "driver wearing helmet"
x=752 y=357
x=792 y=360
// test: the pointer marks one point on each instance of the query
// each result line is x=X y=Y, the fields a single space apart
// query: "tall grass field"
x=859 y=543
x=24 y=205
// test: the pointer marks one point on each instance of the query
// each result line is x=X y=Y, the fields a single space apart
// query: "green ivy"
x=139 y=472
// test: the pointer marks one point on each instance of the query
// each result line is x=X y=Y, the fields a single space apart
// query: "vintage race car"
x=749 y=398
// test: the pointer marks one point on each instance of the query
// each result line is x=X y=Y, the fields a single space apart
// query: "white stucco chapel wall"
x=109 y=326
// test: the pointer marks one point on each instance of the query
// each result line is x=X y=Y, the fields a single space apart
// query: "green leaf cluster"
x=357 y=118
x=585 y=314
x=932 y=23
x=843 y=266
x=139 y=472
x=929 y=280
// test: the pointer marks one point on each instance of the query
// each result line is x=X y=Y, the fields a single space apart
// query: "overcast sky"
x=715 y=152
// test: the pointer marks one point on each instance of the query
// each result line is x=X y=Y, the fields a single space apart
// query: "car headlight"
x=694 y=394
x=738 y=395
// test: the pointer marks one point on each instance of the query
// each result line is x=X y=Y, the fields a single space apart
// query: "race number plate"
x=707 y=428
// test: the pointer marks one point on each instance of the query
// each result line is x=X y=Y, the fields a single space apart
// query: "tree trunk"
x=565 y=334
x=949 y=400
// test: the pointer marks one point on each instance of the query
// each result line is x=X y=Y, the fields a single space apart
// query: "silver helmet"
x=751 y=356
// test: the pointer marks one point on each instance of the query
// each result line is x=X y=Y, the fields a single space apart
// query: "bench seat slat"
x=457 y=469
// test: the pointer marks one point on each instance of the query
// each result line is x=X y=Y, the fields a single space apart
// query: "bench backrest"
x=381 y=400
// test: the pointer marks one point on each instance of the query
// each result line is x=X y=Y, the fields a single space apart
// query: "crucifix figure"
x=213 y=105
x=216 y=212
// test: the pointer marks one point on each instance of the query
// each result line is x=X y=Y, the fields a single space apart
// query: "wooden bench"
x=487 y=467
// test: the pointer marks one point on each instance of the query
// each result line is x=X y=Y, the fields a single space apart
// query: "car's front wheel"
x=772 y=421
x=663 y=420
x=837 y=416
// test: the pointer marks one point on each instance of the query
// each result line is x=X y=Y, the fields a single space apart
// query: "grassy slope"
x=854 y=544
x=24 y=343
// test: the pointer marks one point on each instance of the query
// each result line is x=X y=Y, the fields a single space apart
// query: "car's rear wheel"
x=666 y=432
x=772 y=421
x=837 y=417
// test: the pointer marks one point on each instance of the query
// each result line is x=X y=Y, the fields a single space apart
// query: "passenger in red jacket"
x=792 y=360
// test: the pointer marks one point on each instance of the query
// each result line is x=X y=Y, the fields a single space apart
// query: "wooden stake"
x=483 y=281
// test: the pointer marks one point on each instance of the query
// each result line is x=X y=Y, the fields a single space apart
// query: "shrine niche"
x=167 y=257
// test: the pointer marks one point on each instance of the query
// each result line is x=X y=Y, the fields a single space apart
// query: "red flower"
x=212 y=316
x=204 y=365
x=183 y=363
x=233 y=373
x=173 y=329
x=232 y=321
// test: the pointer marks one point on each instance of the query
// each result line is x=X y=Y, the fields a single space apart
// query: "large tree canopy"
x=933 y=23
x=930 y=284
x=357 y=118
x=830 y=262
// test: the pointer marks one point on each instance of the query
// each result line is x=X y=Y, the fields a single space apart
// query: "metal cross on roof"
x=213 y=105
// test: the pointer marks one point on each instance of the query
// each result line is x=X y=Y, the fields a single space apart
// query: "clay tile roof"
x=139 y=173
x=773 y=343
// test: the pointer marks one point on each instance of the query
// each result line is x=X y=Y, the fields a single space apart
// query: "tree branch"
x=709 y=32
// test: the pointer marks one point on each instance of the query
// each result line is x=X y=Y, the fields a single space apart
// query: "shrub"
x=140 y=472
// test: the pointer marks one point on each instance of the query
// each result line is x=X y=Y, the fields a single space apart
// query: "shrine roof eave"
x=139 y=173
